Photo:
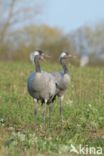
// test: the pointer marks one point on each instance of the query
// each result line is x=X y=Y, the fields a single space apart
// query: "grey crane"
x=62 y=79
x=41 y=85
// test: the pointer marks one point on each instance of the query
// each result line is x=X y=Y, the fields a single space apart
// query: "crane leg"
x=35 y=109
x=61 y=109
x=50 y=111
x=44 y=111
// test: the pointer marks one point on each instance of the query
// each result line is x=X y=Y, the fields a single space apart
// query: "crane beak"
x=68 y=56
x=44 y=56
x=71 y=56
x=47 y=56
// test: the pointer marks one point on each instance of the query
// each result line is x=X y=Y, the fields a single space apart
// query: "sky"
x=69 y=15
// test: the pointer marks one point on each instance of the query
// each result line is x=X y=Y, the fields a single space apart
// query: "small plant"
x=83 y=114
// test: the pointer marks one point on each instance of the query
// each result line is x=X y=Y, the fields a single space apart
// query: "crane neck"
x=62 y=62
x=37 y=64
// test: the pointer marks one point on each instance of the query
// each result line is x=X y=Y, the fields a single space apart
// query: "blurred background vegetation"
x=21 y=34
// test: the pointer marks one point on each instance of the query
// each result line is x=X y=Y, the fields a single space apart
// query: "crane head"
x=38 y=54
x=65 y=55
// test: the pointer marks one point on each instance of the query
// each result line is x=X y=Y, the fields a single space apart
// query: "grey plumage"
x=62 y=79
x=41 y=85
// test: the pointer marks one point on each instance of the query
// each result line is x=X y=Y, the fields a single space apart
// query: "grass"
x=83 y=106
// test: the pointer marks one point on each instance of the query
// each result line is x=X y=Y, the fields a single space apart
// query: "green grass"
x=83 y=116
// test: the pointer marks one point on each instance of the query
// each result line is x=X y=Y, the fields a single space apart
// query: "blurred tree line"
x=20 y=34
x=88 y=41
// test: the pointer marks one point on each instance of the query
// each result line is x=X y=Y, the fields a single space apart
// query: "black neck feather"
x=37 y=64
x=64 y=66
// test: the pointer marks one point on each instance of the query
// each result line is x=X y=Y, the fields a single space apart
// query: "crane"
x=41 y=85
x=62 y=79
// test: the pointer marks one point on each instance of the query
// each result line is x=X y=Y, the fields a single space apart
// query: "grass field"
x=83 y=121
